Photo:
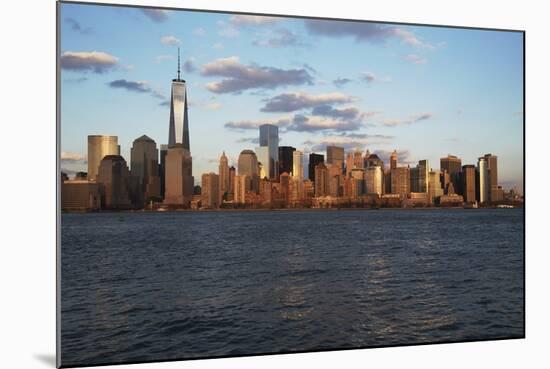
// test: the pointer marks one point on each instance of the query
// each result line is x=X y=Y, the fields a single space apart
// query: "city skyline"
x=314 y=105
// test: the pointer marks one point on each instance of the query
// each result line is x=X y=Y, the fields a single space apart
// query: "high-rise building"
x=232 y=173
x=178 y=131
x=298 y=165
x=210 y=191
x=162 y=168
x=144 y=166
x=335 y=155
x=393 y=160
x=262 y=154
x=484 y=181
x=314 y=159
x=321 y=180
x=419 y=177
x=223 y=172
x=400 y=181
x=492 y=169
x=269 y=137
x=469 y=183
x=358 y=162
x=99 y=146
x=113 y=179
x=241 y=183
x=179 y=183
x=247 y=165
x=335 y=178
x=374 y=180
x=435 y=191
x=372 y=160
x=358 y=185
x=349 y=164
x=285 y=159
x=453 y=166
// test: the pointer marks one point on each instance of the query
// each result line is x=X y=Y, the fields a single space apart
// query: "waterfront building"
x=349 y=164
x=483 y=182
x=419 y=177
x=113 y=178
x=284 y=184
x=321 y=180
x=210 y=191
x=372 y=160
x=144 y=167
x=314 y=160
x=451 y=200
x=232 y=173
x=452 y=165
x=400 y=181
x=435 y=191
x=296 y=192
x=373 y=180
x=80 y=195
x=100 y=146
x=469 y=183
x=492 y=171
x=162 y=168
x=298 y=165
x=262 y=154
x=242 y=182
x=393 y=160
x=269 y=137
x=286 y=159
x=223 y=172
x=247 y=165
x=179 y=182
x=335 y=179
x=335 y=155
x=358 y=184
x=178 y=131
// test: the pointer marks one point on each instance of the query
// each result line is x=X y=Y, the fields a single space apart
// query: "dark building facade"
x=452 y=165
x=469 y=183
x=314 y=159
x=286 y=159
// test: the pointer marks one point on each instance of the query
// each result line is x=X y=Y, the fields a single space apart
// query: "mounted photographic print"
x=234 y=184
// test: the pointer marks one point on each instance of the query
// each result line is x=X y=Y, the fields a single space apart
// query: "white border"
x=28 y=179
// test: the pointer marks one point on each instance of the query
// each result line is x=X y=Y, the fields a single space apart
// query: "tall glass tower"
x=269 y=137
x=179 y=123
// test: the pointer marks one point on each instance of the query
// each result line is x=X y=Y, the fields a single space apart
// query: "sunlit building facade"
x=269 y=137
x=99 y=146
x=178 y=131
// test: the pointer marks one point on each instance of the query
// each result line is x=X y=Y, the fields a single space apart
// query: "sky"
x=423 y=91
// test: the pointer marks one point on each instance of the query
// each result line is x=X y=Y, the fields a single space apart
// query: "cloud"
x=75 y=80
x=242 y=77
x=252 y=20
x=199 y=31
x=329 y=111
x=340 y=82
x=403 y=156
x=75 y=26
x=213 y=106
x=170 y=40
x=140 y=87
x=251 y=140
x=349 y=141
x=156 y=15
x=283 y=38
x=217 y=46
x=368 y=77
x=415 y=59
x=72 y=157
x=161 y=58
x=294 y=101
x=303 y=123
x=254 y=124
x=88 y=61
x=227 y=30
x=413 y=119
x=189 y=65
x=363 y=32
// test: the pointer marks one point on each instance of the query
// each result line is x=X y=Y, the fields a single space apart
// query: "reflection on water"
x=183 y=285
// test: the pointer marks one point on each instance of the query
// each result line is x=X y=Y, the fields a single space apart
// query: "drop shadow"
x=48 y=359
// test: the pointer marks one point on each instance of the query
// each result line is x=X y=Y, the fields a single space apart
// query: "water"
x=160 y=286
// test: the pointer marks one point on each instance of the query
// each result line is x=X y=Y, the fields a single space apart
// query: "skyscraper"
x=393 y=160
x=298 y=165
x=269 y=137
x=162 y=168
x=373 y=180
x=100 y=146
x=358 y=162
x=492 y=169
x=372 y=160
x=469 y=183
x=144 y=166
x=223 y=172
x=179 y=181
x=285 y=159
x=210 y=191
x=335 y=155
x=484 y=189
x=178 y=132
x=262 y=154
x=453 y=166
x=113 y=176
x=247 y=165
x=400 y=181
x=314 y=159
x=419 y=177
x=435 y=191
x=321 y=180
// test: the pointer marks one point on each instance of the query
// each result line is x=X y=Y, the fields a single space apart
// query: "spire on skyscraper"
x=179 y=63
